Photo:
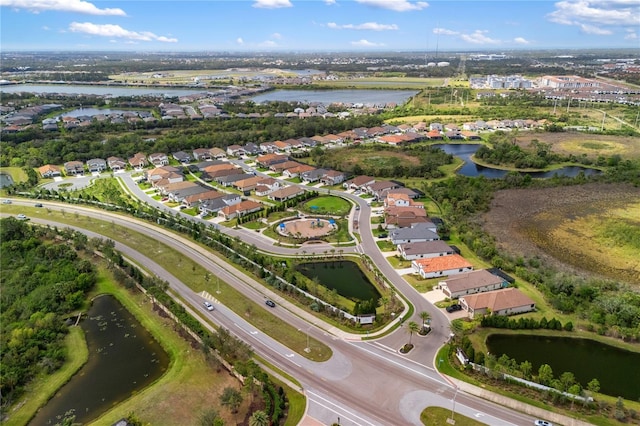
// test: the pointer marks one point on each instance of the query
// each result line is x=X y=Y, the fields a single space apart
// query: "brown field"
x=584 y=229
x=584 y=143
x=375 y=158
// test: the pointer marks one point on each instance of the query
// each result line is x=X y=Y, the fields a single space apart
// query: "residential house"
x=159 y=159
x=214 y=173
x=178 y=195
x=214 y=205
x=73 y=168
x=414 y=234
x=195 y=200
x=230 y=179
x=49 y=171
x=204 y=164
x=424 y=250
x=441 y=266
x=168 y=188
x=96 y=165
x=217 y=153
x=235 y=150
x=251 y=148
x=268 y=147
x=403 y=217
x=312 y=175
x=269 y=160
x=400 y=199
x=170 y=173
x=333 y=177
x=247 y=185
x=267 y=186
x=116 y=164
x=281 y=167
x=202 y=154
x=379 y=189
x=286 y=193
x=182 y=157
x=282 y=146
x=470 y=283
x=359 y=183
x=138 y=161
x=241 y=209
x=507 y=301
x=297 y=171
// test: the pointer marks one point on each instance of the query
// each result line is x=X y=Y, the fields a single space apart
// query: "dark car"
x=270 y=303
x=39 y=205
x=454 y=308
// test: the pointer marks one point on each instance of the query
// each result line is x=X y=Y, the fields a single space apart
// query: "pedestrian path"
x=206 y=295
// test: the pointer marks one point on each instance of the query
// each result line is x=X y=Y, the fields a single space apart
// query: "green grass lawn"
x=437 y=416
x=254 y=225
x=385 y=245
x=327 y=204
x=399 y=263
x=278 y=216
x=16 y=173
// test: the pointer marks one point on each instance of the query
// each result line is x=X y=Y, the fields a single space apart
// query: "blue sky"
x=317 y=25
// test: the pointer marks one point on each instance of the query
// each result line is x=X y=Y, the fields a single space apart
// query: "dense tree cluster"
x=42 y=282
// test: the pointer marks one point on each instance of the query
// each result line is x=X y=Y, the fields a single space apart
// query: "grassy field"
x=327 y=204
x=16 y=173
x=437 y=416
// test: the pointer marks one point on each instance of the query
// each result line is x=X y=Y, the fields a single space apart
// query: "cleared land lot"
x=590 y=229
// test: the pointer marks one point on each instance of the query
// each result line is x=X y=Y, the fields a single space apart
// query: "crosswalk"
x=205 y=295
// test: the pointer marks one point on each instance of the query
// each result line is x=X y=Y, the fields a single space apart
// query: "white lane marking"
x=341 y=408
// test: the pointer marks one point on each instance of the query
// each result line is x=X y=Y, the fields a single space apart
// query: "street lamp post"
x=308 y=348
x=452 y=421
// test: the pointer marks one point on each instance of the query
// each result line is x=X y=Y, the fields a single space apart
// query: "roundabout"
x=307 y=228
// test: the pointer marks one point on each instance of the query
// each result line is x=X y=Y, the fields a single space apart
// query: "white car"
x=6 y=201
x=542 y=423
x=209 y=306
x=21 y=217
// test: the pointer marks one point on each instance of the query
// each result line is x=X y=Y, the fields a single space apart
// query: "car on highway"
x=6 y=201
x=209 y=306
x=21 y=217
x=454 y=308
x=542 y=423
x=38 y=204
x=270 y=303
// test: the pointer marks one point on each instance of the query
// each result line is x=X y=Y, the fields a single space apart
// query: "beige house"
x=508 y=301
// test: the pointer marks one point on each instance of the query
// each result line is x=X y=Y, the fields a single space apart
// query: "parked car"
x=542 y=423
x=21 y=217
x=270 y=303
x=454 y=308
x=38 y=204
x=382 y=235
x=6 y=201
x=209 y=306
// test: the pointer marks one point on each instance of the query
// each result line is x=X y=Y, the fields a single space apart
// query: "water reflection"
x=123 y=359
x=465 y=151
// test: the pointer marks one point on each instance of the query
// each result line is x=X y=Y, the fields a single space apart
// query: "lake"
x=587 y=359
x=345 y=277
x=91 y=112
x=366 y=97
x=123 y=359
x=465 y=151
x=5 y=180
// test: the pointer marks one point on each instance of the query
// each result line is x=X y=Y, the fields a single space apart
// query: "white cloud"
x=370 y=26
x=478 y=37
x=268 y=43
x=329 y=2
x=445 y=31
x=77 y=6
x=111 y=30
x=592 y=15
x=277 y=36
x=631 y=35
x=521 y=40
x=396 y=5
x=239 y=40
x=366 y=43
x=592 y=29
x=44 y=27
x=272 y=4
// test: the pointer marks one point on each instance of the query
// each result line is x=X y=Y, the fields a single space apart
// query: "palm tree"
x=259 y=418
x=412 y=327
x=425 y=317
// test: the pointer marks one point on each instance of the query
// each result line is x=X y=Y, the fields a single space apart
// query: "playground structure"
x=307 y=228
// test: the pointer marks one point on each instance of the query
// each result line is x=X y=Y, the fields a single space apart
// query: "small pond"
x=465 y=151
x=123 y=359
x=616 y=369
x=5 y=180
x=344 y=276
